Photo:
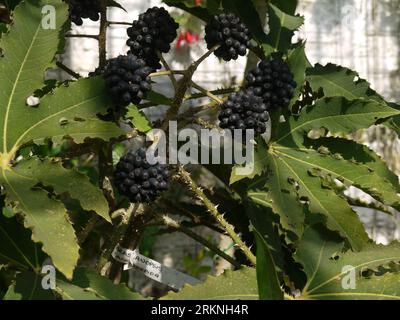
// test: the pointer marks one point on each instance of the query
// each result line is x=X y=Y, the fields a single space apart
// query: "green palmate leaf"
x=139 y=120
x=279 y=194
x=297 y=61
x=295 y=175
x=338 y=115
x=269 y=287
x=70 y=111
x=249 y=15
x=350 y=173
x=231 y=285
x=87 y=284
x=339 y=81
x=353 y=151
x=28 y=286
x=77 y=185
x=44 y=215
x=16 y=248
x=326 y=275
x=295 y=183
x=282 y=27
x=28 y=50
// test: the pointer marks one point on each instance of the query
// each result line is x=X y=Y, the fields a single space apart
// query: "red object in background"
x=198 y=2
x=186 y=38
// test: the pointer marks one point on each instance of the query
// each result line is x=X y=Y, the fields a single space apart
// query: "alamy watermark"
x=349 y=279
x=209 y=146
x=49 y=277
x=49 y=17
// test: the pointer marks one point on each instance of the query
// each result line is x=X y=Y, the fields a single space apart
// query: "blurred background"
x=363 y=35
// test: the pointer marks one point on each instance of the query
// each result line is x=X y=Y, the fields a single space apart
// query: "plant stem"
x=92 y=36
x=119 y=232
x=103 y=35
x=185 y=176
x=131 y=238
x=166 y=66
x=119 y=22
x=214 y=92
x=68 y=70
x=170 y=222
x=207 y=93
x=183 y=86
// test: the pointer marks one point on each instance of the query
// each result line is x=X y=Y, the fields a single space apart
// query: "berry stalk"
x=212 y=208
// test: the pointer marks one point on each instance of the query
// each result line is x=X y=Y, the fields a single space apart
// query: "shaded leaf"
x=44 y=215
x=87 y=284
x=28 y=286
x=16 y=248
x=267 y=279
x=325 y=274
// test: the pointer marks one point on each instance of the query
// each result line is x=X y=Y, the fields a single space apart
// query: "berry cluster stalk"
x=212 y=208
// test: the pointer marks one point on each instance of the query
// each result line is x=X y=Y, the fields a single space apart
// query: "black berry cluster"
x=127 y=78
x=244 y=110
x=273 y=81
x=138 y=180
x=83 y=9
x=228 y=31
x=154 y=31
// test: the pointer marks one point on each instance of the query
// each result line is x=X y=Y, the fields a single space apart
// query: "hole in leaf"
x=63 y=121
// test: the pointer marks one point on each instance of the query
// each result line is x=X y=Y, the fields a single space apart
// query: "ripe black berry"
x=244 y=110
x=83 y=9
x=139 y=181
x=273 y=81
x=127 y=78
x=154 y=31
x=228 y=31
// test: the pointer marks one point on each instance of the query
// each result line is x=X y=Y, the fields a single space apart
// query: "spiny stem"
x=167 y=67
x=183 y=86
x=214 y=92
x=207 y=93
x=170 y=222
x=185 y=176
x=197 y=63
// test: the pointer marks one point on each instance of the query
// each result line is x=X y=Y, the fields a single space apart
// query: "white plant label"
x=152 y=269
